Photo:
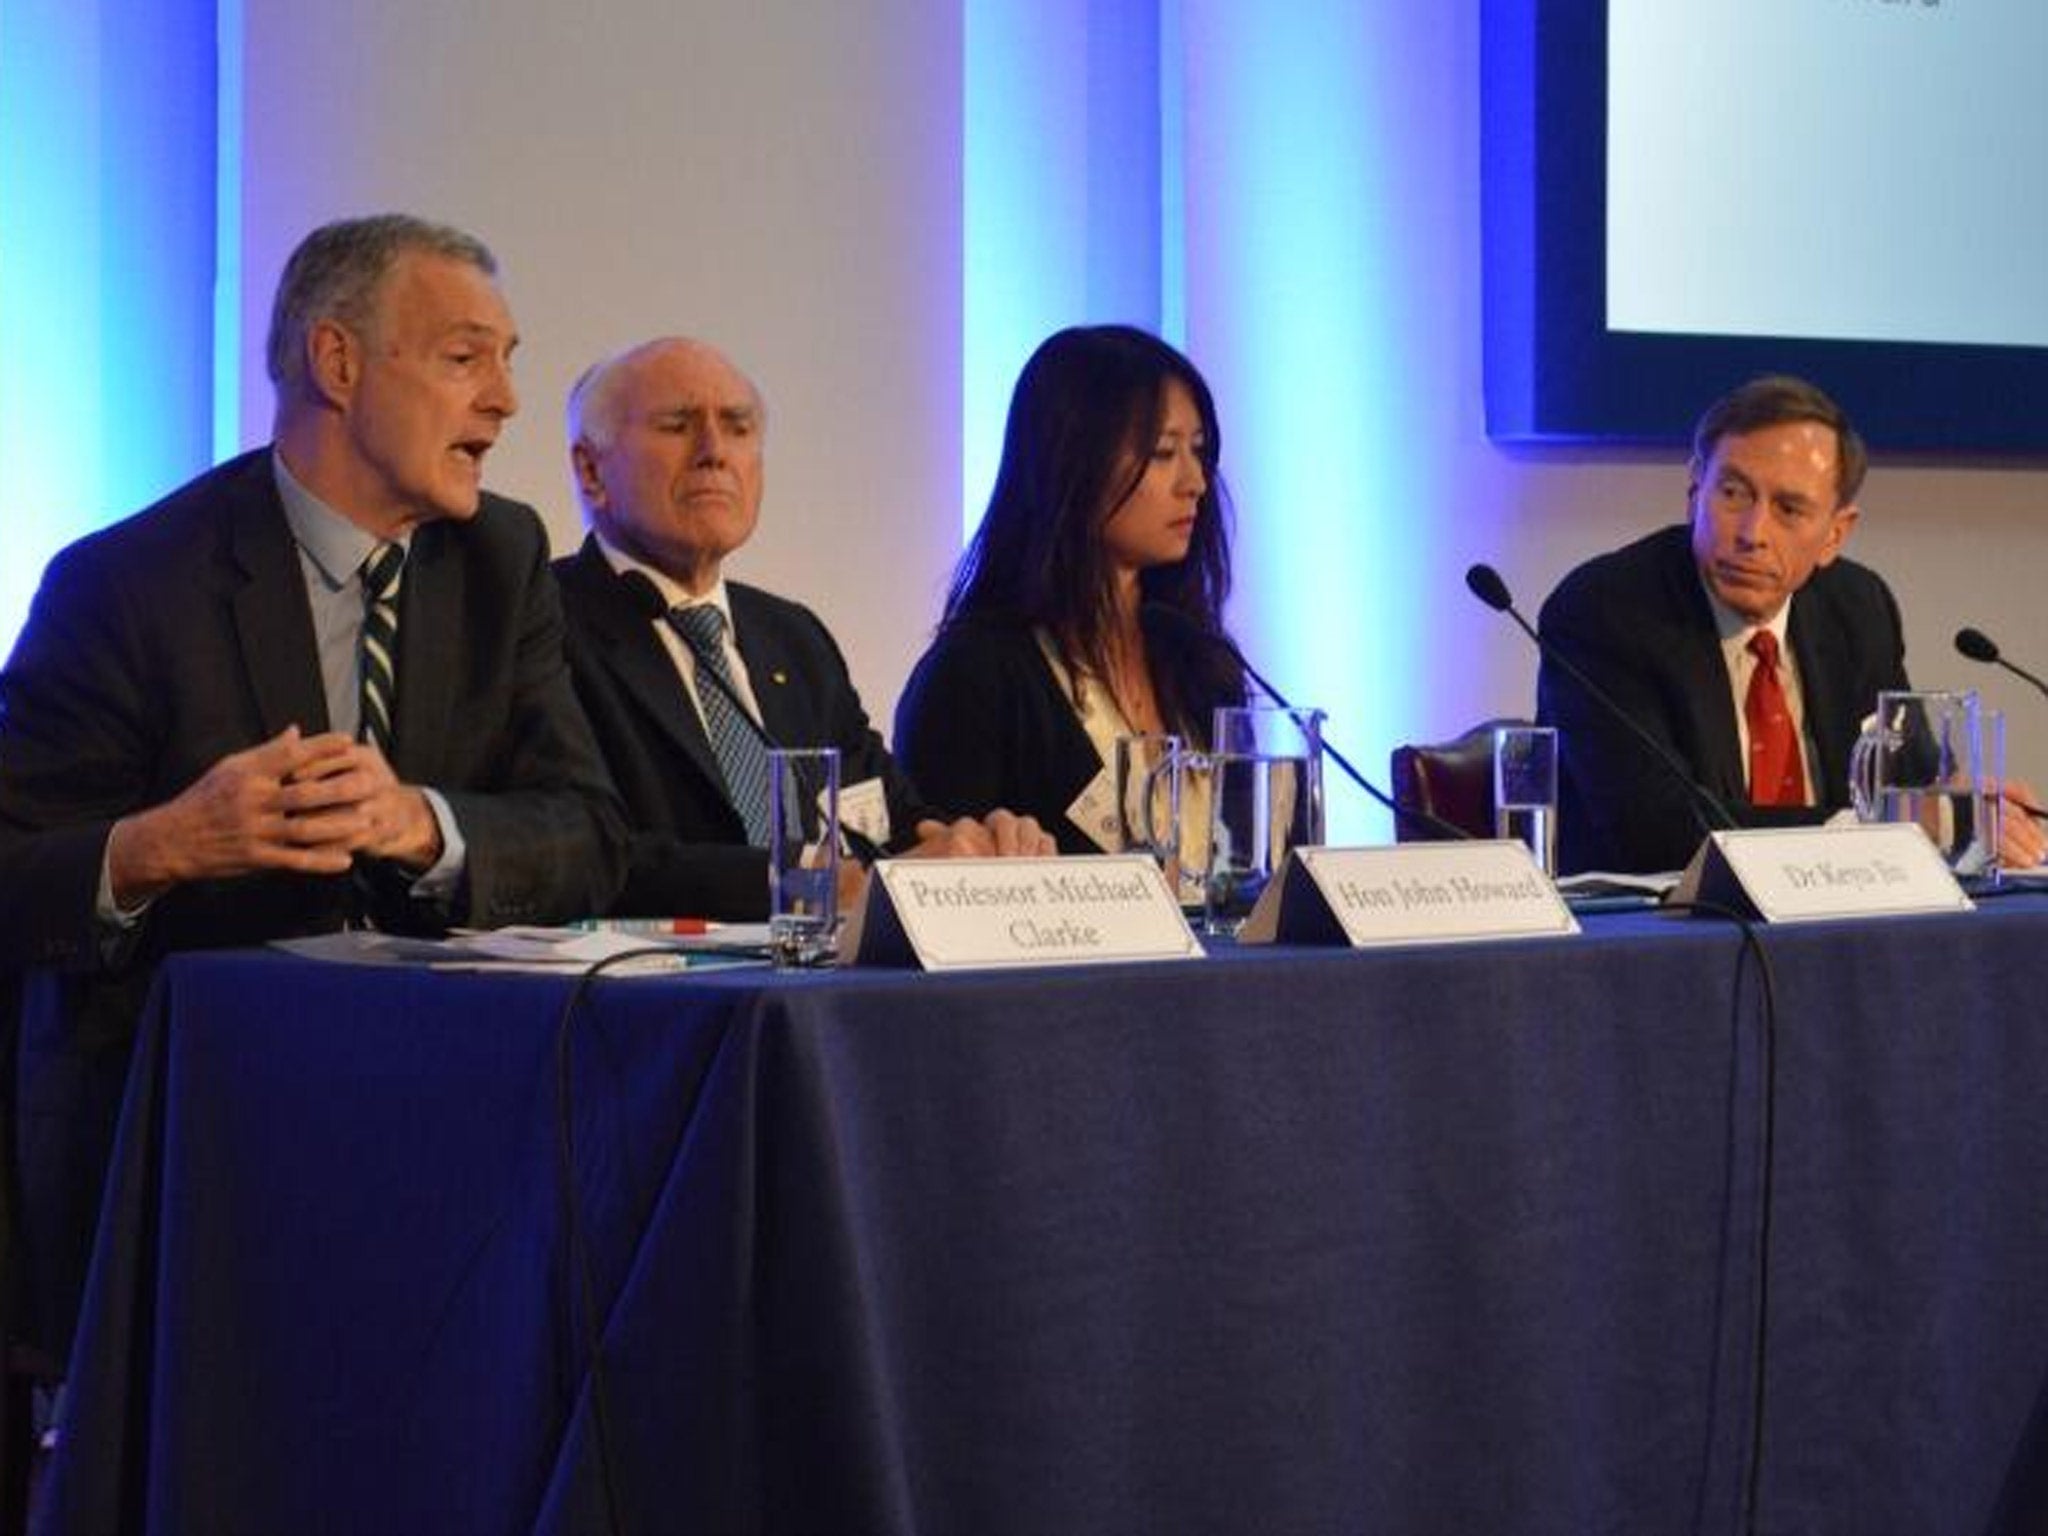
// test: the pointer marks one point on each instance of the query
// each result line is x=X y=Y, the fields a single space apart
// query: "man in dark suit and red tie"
x=1742 y=640
x=323 y=682
x=666 y=444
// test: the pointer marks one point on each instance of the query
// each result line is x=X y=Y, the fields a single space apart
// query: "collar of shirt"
x=672 y=593
x=1094 y=705
x=1735 y=633
x=1095 y=709
x=673 y=596
x=335 y=546
x=331 y=553
x=1733 y=627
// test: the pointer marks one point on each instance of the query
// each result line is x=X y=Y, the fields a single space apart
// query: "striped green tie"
x=381 y=575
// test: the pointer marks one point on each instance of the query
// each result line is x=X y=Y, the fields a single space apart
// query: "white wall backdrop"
x=781 y=178
x=785 y=178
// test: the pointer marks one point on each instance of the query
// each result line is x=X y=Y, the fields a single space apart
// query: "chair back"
x=1450 y=780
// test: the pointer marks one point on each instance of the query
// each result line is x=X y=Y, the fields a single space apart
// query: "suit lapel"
x=432 y=605
x=636 y=656
x=1824 y=674
x=770 y=666
x=1703 y=677
x=272 y=622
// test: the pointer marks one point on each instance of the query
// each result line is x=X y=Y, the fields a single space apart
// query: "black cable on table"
x=1767 y=1115
x=581 y=1286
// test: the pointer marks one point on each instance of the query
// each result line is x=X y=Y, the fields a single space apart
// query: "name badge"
x=864 y=811
x=1803 y=874
x=1095 y=812
x=1410 y=893
x=964 y=914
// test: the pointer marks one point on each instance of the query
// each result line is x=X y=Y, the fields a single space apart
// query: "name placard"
x=959 y=914
x=1410 y=893
x=1803 y=874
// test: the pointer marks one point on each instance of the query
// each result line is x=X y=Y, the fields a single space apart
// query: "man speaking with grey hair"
x=322 y=683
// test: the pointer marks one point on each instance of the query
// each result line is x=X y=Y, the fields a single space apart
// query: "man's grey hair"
x=334 y=274
x=592 y=409
x=591 y=416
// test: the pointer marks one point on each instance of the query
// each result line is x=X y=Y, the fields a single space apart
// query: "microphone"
x=1978 y=646
x=1486 y=584
x=648 y=599
x=1173 y=622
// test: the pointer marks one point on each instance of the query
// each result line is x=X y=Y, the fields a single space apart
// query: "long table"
x=1473 y=1239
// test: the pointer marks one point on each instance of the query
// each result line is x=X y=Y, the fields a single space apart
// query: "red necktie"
x=1775 y=777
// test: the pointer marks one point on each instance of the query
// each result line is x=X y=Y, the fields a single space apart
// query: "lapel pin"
x=780 y=678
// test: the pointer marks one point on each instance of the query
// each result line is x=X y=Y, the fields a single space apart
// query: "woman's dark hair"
x=1087 y=409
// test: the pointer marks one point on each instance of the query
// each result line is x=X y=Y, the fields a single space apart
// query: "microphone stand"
x=1486 y=585
x=1173 y=619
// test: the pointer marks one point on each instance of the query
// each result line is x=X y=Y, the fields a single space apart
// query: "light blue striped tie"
x=742 y=757
x=379 y=670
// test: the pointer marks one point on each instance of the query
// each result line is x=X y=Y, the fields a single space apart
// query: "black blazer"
x=689 y=847
x=1638 y=622
x=983 y=723
x=159 y=645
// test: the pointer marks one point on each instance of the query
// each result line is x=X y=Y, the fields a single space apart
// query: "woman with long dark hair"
x=1089 y=604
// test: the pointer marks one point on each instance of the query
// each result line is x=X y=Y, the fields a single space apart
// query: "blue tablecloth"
x=1429 y=1240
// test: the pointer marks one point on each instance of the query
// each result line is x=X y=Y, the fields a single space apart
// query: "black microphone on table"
x=1486 y=585
x=1978 y=646
x=1172 y=621
x=647 y=597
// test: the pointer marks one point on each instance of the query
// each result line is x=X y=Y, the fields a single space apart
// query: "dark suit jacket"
x=689 y=848
x=159 y=645
x=983 y=723
x=1638 y=622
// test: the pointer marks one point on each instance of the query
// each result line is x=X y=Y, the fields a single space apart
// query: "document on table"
x=1597 y=890
x=559 y=951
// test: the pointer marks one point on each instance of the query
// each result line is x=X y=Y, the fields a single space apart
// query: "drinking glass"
x=1525 y=789
x=1995 y=809
x=803 y=854
x=1147 y=771
x=1162 y=796
x=1265 y=799
x=1922 y=761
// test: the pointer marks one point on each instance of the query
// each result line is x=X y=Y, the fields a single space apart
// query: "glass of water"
x=803 y=854
x=1525 y=789
x=1265 y=800
x=1991 y=836
x=1921 y=760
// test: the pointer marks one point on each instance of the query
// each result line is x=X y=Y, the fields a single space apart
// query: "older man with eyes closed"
x=1742 y=640
x=666 y=447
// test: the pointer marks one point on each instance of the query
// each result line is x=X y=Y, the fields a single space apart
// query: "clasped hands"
x=303 y=804
x=1000 y=834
